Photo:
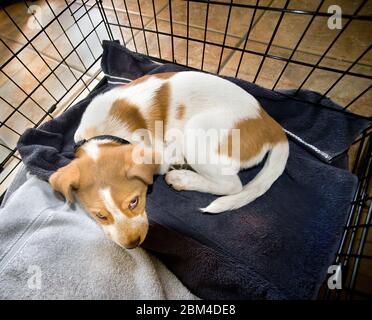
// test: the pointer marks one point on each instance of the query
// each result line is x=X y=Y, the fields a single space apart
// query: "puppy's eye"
x=100 y=216
x=133 y=203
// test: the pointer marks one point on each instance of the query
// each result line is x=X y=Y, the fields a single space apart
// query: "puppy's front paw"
x=179 y=179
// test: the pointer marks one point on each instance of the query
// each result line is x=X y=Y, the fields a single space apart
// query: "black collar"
x=101 y=137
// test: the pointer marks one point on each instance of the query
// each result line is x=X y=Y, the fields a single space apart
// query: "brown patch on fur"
x=180 y=112
x=90 y=133
x=136 y=81
x=128 y=114
x=164 y=75
x=254 y=134
x=159 y=109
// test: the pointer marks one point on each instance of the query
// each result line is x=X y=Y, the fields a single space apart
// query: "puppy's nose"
x=133 y=243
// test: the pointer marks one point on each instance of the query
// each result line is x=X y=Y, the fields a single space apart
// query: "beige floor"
x=45 y=53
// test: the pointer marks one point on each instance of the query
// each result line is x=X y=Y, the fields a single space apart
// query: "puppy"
x=143 y=118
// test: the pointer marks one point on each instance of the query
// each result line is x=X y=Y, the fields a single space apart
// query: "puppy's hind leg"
x=190 y=180
x=200 y=151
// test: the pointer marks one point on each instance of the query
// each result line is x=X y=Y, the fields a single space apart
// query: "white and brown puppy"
x=112 y=186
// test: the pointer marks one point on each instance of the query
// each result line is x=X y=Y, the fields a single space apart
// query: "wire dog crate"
x=50 y=54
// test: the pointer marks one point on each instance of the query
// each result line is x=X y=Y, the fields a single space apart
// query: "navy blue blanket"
x=279 y=246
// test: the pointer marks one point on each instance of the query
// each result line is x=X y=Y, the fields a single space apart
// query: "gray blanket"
x=49 y=250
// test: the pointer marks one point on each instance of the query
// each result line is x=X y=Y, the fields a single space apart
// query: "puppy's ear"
x=66 y=179
x=144 y=172
x=140 y=163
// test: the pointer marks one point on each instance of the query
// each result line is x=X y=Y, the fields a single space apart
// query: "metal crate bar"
x=286 y=10
x=131 y=23
x=262 y=54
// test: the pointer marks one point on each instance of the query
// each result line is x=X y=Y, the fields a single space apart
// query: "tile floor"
x=62 y=56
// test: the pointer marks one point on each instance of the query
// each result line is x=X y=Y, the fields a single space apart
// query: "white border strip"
x=315 y=149
x=116 y=82
x=118 y=78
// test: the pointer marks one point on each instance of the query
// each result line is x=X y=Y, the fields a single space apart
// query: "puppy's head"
x=112 y=188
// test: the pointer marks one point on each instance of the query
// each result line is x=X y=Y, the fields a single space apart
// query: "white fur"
x=92 y=148
x=210 y=102
x=111 y=206
x=201 y=92
x=273 y=168
x=97 y=114
x=190 y=180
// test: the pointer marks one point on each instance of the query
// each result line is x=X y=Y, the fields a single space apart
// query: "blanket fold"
x=49 y=250
x=277 y=247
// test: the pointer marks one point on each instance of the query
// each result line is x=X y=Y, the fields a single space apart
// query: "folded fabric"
x=279 y=246
x=49 y=250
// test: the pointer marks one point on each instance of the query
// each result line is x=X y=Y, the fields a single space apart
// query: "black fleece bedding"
x=279 y=246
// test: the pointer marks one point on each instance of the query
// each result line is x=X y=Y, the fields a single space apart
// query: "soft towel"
x=49 y=250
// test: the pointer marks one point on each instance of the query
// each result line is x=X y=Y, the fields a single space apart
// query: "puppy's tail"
x=273 y=168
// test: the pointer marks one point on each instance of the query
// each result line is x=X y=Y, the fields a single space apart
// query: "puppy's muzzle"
x=133 y=244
